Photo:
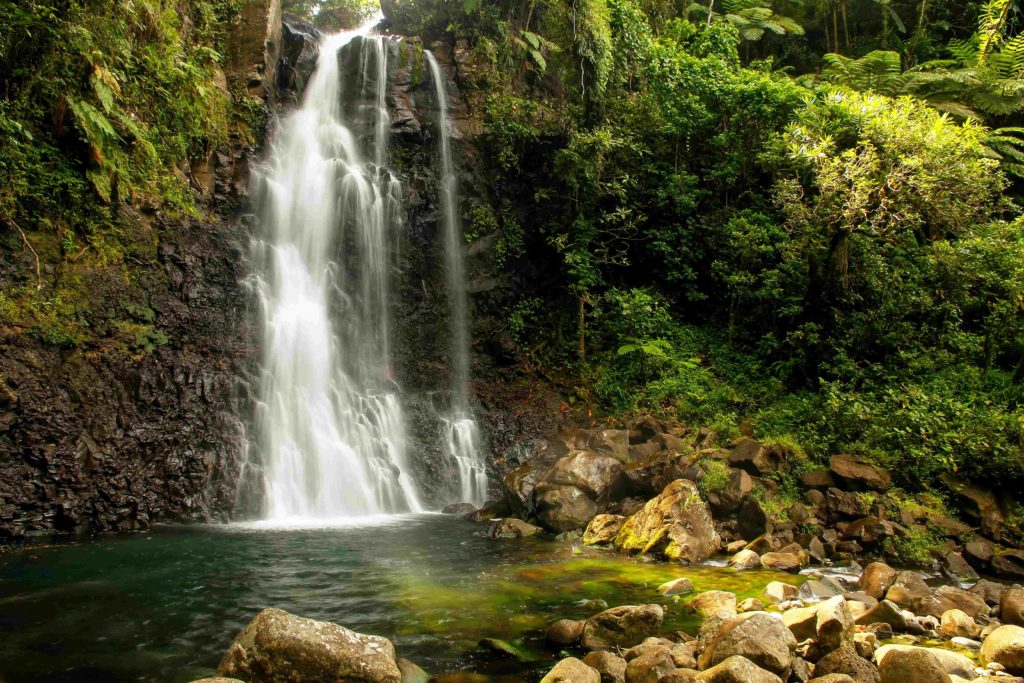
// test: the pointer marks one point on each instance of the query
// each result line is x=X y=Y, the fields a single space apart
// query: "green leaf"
x=470 y=5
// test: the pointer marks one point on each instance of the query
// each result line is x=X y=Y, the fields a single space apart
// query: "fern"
x=655 y=348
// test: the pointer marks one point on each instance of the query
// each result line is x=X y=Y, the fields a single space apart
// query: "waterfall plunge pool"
x=165 y=605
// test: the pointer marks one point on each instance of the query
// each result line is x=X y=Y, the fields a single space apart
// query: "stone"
x=858 y=474
x=564 y=632
x=979 y=505
x=952 y=663
x=510 y=527
x=563 y=508
x=460 y=509
x=681 y=676
x=1009 y=564
x=752 y=521
x=783 y=562
x=603 y=529
x=745 y=559
x=650 y=666
x=834 y=624
x=845 y=503
x=648 y=644
x=820 y=589
x=623 y=626
x=817 y=479
x=956 y=567
x=777 y=591
x=1011 y=606
x=801 y=621
x=866 y=643
x=711 y=602
x=735 y=492
x=867 y=530
x=757 y=458
x=610 y=666
x=845 y=660
x=684 y=654
x=757 y=636
x=411 y=672
x=681 y=586
x=496 y=648
x=955 y=623
x=596 y=474
x=910 y=592
x=832 y=678
x=218 y=679
x=1005 y=646
x=278 y=646
x=750 y=605
x=613 y=441
x=979 y=552
x=950 y=597
x=914 y=665
x=675 y=524
x=571 y=670
x=518 y=487
x=737 y=670
x=989 y=591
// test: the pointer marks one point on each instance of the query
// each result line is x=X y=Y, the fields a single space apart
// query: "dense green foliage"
x=841 y=267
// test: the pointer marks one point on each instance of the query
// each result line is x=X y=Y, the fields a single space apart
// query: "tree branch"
x=24 y=239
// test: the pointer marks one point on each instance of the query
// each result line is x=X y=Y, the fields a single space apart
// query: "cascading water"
x=330 y=422
x=462 y=436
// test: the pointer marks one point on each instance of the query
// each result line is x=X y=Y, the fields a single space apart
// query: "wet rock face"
x=113 y=437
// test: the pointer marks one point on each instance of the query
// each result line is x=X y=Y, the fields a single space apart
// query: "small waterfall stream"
x=330 y=423
x=462 y=436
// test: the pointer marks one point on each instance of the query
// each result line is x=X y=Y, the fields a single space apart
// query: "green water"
x=165 y=605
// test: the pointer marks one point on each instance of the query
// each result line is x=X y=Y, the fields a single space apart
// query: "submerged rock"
x=278 y=646
x=675 y=524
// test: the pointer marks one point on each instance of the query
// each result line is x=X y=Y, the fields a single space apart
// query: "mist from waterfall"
x=330 y=422
x=462 y=435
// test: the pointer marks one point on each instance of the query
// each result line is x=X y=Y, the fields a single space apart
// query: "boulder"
x=681 y=586
x=989 y=591
x=979 y=505
x=955 y=566
x=564 y=632
x=858 y=474
x=650 y=666
x=750 y=605
x=712 y=602
x=735 y=492
x=571 y=670
x=278 y=646
x=784 y=562
x=650 y=475
x=846 y=504
x=752 y=521
x=460 y=509
x=801 y=621
x=913 y=665
x=1009 y=564
x=845 y=660
x=1005 y=646
x=834 y=624
x=777 y=591
x=910 y=592
x=623 y=626
x=979 y=552
x=758 y=458
x=737 y=670
x=603 y=529
x=610 y=666
x=817 y=479
x=411 y=672
x=613 y=441
x=745 y=559
x=955 y=623
x=1011 y=606
x=518 y=486
x=563 y=508
x=820 y=589
x=759 y=637
x=596 y=474
x=675 y=524
x=510 y=527
x=952 y=663
x=218 y=679
x=885 y=612
x=832 y=678
x=950 y=597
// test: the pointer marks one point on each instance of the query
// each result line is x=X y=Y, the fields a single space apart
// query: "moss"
x=914 y=547
x=715 y=476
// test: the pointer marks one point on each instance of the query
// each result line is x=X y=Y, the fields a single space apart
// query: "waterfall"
x=330 y=421
x=462 y=436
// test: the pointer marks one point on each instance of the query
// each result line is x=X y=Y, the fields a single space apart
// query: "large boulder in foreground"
x=1005 y=646
x=757 y=636
x=675 y=524
x=623 y=626
x=278 y=646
